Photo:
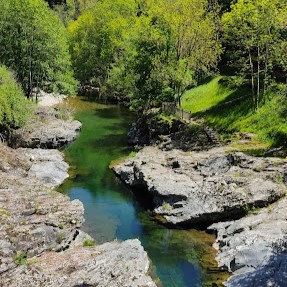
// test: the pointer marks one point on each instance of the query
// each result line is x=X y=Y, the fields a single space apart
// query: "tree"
x=97 y=38
x=176 y=42
x=150 y=50
x=252 y=28
x=34 y=44
x=70 y=10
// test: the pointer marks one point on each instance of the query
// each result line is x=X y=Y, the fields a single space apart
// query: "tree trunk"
x=258 y=76
x=252 y=76
x=266 y=59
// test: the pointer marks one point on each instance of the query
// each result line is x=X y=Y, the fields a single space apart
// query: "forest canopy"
x=34 y=44
x=151 y=50
x=147 y=51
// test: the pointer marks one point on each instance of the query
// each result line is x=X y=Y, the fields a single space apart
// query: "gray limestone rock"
x=113 y=264
x=254 y=247
x=47 y=165
x=52 y=134
x=204 y=187
x=40 y=228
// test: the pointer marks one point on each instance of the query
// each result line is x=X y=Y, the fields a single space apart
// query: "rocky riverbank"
x=204 y=187
x=239 y=194
x=169 y=133
x=254 y=247
x=40 y=239
x=51 y=127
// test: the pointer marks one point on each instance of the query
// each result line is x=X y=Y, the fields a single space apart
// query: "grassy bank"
x=230 y=110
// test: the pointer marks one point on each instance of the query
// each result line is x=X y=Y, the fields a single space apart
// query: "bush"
x=15 y=109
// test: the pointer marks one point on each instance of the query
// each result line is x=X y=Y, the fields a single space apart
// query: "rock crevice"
x=204 y=187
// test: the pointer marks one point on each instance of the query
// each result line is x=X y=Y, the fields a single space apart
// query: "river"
x=180 y=258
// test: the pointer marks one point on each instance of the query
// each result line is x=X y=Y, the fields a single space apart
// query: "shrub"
x=15 y=109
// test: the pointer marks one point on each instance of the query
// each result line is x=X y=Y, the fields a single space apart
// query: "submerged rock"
x=255 y=247
x=204 y=187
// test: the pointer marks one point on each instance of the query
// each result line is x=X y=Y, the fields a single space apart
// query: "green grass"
x=132 y=154
x=209 y=95
x=214 y=101
x=21 y=258
x=89 y=243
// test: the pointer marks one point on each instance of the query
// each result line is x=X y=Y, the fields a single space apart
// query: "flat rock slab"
x=47 y=165
x=53 y=133
x=204 y=187
x=33 y=217
x=254 y=247
x=111 y=264
x=39 y=228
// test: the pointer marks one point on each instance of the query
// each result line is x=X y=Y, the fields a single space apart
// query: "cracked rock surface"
x=40 y=240
x=254 y=247
x=246 y=193
x=204 y=187
x=111 y=264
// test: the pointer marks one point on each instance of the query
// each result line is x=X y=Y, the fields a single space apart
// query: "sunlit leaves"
x=34 y=44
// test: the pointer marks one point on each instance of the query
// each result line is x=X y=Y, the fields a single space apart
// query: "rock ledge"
x=204 y=187
x=40 y=240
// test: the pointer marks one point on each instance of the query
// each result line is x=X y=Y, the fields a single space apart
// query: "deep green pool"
x=111 y=210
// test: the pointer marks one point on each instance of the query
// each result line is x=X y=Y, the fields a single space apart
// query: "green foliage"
x=166 y=119
x=70 y=10
x=228 y=115
x=61 y=236
x=150 y=52
x=34 y=44
x=255 y=32
x=279 y=178
x=15 y=109
x=132 y=154
x=166 y=206
x=175 y=42
x=21 y=258
x=5 y=212
x=89 y=243
x=97 y=38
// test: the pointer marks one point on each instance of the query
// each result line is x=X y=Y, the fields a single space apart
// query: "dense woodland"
x=150 y=51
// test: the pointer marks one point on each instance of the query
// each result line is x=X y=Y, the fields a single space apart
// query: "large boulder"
x=254 y=247
x=204 y=187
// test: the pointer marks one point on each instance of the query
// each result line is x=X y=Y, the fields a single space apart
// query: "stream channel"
x=180 y=258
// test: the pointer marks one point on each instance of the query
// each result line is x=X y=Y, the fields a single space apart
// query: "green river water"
x=180 y=258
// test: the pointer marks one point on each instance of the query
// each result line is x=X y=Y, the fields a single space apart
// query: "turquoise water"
x=111 y=209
